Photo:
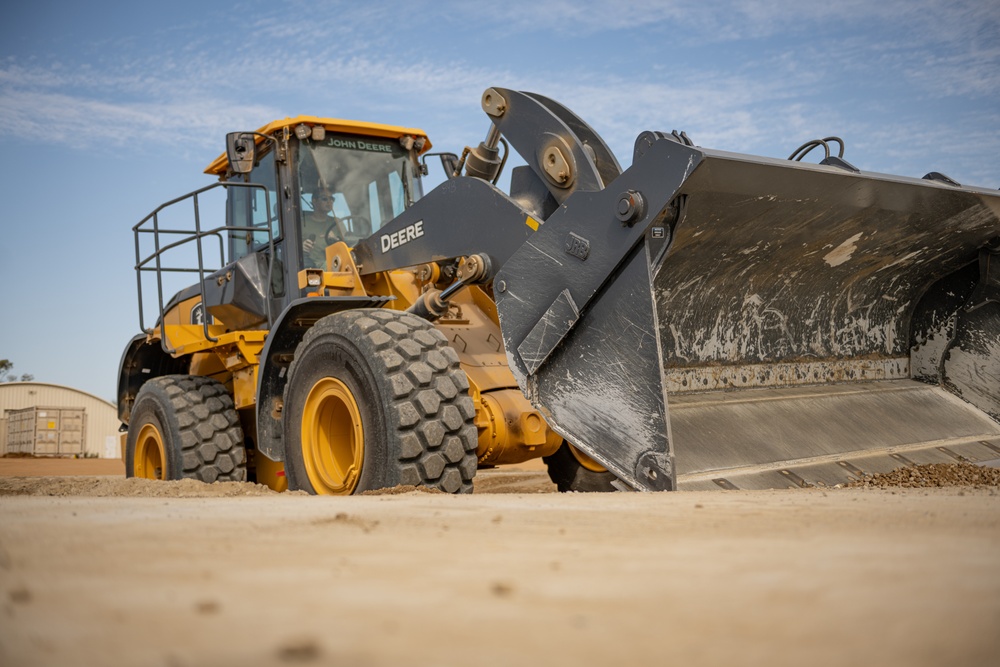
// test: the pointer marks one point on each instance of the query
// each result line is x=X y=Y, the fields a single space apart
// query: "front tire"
x=375 y=399
x=185 y=427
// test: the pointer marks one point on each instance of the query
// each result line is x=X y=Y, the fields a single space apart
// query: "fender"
x=278 y=353
x=143 y=360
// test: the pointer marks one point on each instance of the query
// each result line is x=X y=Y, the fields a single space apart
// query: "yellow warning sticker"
x=531 y=222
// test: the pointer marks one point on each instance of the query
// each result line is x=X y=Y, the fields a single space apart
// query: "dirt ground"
x=108 y=571
x=50 y=467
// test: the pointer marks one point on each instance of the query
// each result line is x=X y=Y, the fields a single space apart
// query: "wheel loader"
x=805 y=322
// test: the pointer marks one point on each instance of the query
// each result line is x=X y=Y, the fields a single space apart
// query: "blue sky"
x=110 y=108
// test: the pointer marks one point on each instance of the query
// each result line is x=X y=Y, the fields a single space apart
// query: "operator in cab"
x=320 y=228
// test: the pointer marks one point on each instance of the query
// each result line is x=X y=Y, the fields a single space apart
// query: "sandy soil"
x=32 y=467
x=815 y=577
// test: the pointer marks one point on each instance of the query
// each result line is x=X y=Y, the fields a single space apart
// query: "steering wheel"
x=361 y=225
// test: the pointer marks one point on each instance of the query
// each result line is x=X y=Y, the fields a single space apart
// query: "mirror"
x=240 y=151
x=449 y=162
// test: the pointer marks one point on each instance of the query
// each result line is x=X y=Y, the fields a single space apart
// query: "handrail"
x=196 y=236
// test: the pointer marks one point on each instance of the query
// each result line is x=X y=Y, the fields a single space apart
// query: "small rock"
x=20 y=595
x=501 y=589
x=207 y=607
x=301 y=650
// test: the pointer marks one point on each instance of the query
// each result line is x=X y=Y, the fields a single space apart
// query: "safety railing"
x=154 y=263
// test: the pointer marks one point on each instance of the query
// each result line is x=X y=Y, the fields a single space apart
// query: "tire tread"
x=211 y=437
x=411 y=360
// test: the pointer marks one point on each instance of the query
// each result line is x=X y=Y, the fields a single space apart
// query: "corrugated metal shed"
x=102 y=423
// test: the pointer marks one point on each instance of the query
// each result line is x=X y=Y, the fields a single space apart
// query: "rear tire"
x=185 y=427
x=375 y=399
x=572 y=470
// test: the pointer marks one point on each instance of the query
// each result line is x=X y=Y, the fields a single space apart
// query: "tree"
x=7 y=373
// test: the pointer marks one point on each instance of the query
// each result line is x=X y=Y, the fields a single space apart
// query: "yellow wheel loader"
x=805 y=322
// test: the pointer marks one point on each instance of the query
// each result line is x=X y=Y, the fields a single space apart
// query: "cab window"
x=368 y=180
x=248 y=207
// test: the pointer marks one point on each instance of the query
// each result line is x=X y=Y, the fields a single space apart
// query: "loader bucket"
x=806 y=323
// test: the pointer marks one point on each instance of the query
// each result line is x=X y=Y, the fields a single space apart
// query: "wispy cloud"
x=87 y=123
x=694 y=20
x=407 y=65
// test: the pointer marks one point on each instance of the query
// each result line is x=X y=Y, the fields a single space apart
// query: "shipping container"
x=41 y=431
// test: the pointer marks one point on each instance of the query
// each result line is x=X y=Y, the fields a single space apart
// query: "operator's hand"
x=313 y=252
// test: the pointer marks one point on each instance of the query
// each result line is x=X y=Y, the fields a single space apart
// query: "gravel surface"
x=932 y=475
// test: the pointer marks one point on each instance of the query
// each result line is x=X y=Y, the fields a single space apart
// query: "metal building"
x=81 y=423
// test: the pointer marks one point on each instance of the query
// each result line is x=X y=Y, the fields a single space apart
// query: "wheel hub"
x=333 y=443
x=586 y=461
x=150 y=454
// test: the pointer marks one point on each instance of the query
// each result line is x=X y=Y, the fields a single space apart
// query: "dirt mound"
x=931 y=475
x=119 y=486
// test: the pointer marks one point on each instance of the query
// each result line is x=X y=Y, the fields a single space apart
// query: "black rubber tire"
x=199 y=425
x=411 y=393
x=569 y=474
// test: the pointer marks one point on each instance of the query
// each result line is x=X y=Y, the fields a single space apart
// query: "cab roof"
x=221 y=163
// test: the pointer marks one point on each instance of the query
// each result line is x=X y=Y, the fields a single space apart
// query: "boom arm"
x=575 y=296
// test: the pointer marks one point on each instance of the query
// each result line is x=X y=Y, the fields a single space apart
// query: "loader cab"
x=326 y=181
x=349 y=186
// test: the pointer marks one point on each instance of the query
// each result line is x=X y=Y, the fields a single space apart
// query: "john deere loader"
x=701 y=319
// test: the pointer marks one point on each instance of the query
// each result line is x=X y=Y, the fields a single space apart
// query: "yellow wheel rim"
x=333 y=440
x=585 y=461
x=150 y=455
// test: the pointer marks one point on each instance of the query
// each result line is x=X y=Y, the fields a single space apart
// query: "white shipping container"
x=41 y=431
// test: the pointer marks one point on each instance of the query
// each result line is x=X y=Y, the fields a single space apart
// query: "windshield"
x=349 y=187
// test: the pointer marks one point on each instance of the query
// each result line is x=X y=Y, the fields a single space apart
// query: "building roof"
x=24 y=385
